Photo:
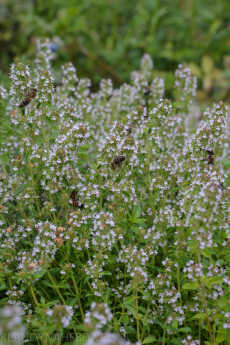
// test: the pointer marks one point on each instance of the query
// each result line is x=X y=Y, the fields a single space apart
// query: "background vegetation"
x=106 y=38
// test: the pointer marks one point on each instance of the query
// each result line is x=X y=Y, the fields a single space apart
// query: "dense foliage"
x=114 y=210
x=105 y=38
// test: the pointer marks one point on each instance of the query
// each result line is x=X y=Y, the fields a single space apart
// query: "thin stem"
x=55 y=287
x=137 y=318
x=33 y=296
x=44 y=341
x=178 y=281
x=10 y=283
x=164 y=336
x=78 y=295
x=37 y=339
x=204 y=298
x=145 y=317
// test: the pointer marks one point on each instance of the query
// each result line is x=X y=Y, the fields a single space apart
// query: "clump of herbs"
x=114 y=218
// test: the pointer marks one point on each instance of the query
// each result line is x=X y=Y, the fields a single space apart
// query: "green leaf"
x=136 y=212
x=21 y=188
x=185 y=330
x=40 y=274
x=131 y=330
x=3 y=286
x=138 y=316
x=131 y=309
x=220 y=338
x=106 y=273
x=190 y=286
x=206 y=252
x=199 y=316
x=209 y=282
x=175 y=324
x=129 y=300
x=149 y=339
x=226 y=163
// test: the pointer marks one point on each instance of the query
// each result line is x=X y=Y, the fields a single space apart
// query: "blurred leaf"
x=149 y=340
x=226 y=163
x=191 y=286
x=209 y=282
x=199 y=316
x=221 y=337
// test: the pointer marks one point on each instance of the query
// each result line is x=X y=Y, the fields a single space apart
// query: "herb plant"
x=114 y=213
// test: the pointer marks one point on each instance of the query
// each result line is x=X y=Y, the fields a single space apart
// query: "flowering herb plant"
x=114 y=211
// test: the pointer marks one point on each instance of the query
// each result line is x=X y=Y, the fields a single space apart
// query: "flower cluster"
x=96 y=319
x=12 y=330
x=61 y=314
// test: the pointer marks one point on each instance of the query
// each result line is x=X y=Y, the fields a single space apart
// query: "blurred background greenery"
x=106 y=38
